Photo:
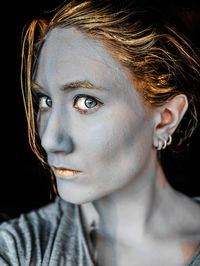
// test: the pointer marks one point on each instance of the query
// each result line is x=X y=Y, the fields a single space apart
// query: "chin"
x=77 y=192
x=80 y=193
x=77 y=198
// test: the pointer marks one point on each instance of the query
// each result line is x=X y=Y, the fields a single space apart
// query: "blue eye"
x=45 y=102
x=86 y=104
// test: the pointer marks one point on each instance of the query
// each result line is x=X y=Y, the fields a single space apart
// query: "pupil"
x=90 y=103
x=49 y=102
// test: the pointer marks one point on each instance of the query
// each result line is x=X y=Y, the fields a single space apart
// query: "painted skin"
x=108 y=137
x=96 y=143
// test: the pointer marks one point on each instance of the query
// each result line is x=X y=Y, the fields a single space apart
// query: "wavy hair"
x=161 y=60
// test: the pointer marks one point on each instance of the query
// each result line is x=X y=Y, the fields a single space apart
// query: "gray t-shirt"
x=52 y=235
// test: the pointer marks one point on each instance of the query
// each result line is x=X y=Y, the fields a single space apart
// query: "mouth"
x=65 y=173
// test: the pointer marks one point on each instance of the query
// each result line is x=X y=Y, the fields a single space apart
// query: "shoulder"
x=27 y=237
x=180 y=239
x=197 y=200
x=195 y=261
x=188 y=229
x=33 y=220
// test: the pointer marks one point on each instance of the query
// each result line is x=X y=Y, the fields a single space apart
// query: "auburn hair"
x=161 y=60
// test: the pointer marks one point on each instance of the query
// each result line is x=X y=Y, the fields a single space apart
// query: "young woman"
x=110 y=84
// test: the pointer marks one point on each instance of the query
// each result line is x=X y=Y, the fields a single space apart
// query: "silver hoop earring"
x=162 y=143
x=159 y=147
x=169 y=141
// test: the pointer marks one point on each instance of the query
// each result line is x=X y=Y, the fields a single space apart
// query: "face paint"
x=98 y=126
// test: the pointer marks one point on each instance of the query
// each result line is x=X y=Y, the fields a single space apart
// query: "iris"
x=90 y=103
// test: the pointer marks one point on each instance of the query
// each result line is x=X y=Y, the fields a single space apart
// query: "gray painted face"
x=107 y=134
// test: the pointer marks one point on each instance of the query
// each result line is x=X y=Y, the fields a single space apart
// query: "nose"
x=55 y=138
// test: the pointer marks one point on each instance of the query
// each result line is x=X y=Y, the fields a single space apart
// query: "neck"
x=132 y=208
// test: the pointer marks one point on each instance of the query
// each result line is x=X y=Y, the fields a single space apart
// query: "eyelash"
x=39 y=96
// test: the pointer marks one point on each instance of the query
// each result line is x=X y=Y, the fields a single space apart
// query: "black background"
x=24 y=183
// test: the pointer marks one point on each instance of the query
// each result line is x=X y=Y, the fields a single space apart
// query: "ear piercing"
x=163 y=143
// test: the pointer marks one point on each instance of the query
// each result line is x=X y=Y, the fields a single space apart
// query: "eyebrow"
x=80 y=84
x=72 y=85
x=35 y=87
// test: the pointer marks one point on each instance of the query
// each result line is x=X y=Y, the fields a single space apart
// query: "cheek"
x=128 y=148
x=42 y=120
x=118 y=142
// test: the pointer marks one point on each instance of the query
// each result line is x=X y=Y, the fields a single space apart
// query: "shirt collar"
x=90 y=216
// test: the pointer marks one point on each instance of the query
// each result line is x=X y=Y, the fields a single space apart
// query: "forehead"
x=68 y=55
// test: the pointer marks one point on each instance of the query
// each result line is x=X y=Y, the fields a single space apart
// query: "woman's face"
x=90 y=119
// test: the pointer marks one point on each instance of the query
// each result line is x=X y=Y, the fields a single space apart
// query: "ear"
x=168 y=117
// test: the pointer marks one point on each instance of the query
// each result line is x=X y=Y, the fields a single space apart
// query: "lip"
x=65 y=173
